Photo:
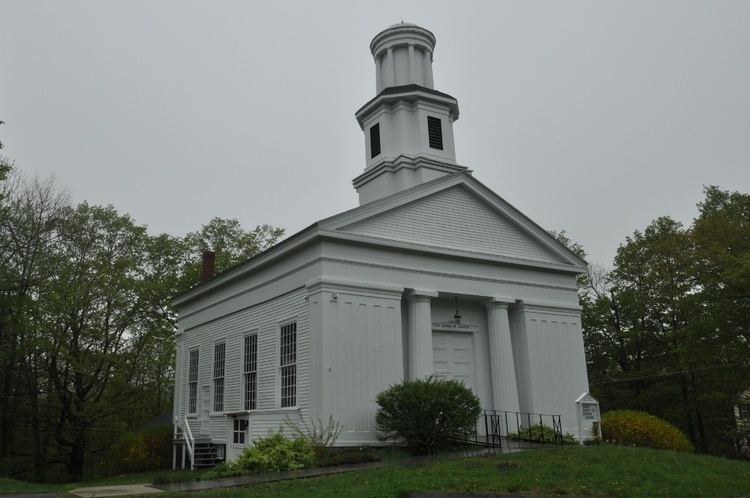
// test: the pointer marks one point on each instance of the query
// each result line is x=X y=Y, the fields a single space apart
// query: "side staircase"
x=206 y=453
x=197 y=452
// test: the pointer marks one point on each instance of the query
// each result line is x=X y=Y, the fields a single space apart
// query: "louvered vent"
x=435 y=130
x=375 y=140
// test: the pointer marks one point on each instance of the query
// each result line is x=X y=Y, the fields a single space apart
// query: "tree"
x=666 y=330
x=30 y=212
x=231 y=243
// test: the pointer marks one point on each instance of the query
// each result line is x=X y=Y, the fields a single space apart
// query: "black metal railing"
x=505 y=429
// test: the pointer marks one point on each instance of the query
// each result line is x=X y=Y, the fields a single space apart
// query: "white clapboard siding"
x=456 y=219
x=218 y=427
x=263 y=319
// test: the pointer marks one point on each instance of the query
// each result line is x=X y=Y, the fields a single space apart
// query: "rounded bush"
x=636 y=428
x=428 y=415
x=276 y=452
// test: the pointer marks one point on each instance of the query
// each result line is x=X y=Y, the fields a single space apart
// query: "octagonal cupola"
x=408 y=125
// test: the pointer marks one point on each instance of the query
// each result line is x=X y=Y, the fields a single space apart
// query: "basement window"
x=288 y=364
x=193 y=382
x=239 y=431
x=375 y=140
x=219 y=350
x=251 y=371
x=435 y=132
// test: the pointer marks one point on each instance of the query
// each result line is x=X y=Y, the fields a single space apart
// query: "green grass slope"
x=602 y=471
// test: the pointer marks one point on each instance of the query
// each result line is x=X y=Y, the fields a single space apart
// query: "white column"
x=390 y=69
x=428 y=70
x=502 y=367
x=412 y=65
x=378 y=74
x=420 y=334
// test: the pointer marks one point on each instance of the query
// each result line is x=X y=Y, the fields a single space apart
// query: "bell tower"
x=408 y=125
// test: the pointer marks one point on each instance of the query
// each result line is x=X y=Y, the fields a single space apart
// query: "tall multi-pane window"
x=219 y=350
x=288 y=364
x=193 y=382
x=250 y=370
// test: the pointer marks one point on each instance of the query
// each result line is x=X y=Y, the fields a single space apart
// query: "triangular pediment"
x=459 y=218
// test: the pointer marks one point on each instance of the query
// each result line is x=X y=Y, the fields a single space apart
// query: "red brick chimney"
x=208 y=266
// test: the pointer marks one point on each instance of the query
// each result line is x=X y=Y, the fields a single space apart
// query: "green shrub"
x=149 y=449
x=276 y=452
x=222 y=469
x=636 y=428
x=539 y=433
x=428 y=415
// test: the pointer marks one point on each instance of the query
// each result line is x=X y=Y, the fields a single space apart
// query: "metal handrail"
x=514 y=429
x=189 y=443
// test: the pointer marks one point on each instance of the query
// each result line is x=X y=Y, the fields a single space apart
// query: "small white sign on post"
x=589 y=420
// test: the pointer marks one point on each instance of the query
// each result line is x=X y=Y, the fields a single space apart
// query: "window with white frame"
x=250 y=371
x=239 y=429
x=219 y=350
x=288 y=364
x=193 y=381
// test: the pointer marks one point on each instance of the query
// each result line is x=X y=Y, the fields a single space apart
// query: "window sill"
x=264 y=411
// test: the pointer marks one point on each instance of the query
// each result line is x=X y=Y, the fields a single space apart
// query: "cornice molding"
x=407 y=92
x=403 y=161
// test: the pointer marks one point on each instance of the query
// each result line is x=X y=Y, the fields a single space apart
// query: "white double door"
x=453 y=357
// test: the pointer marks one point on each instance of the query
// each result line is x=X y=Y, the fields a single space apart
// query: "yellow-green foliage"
x=636 y=428
x=275 y=452
x=149 y=449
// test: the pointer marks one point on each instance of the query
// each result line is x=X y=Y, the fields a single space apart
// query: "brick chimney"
x=208 y=266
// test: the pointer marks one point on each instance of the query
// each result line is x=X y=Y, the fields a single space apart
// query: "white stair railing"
x=189 y=443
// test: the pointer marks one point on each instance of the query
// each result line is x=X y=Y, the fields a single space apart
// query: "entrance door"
x=453 y=356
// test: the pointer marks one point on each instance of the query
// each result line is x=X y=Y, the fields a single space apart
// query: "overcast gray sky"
x=591 y=116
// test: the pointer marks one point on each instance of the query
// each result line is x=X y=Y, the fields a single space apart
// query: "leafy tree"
x=231 y=243
x=86 y=323
x=30 y=212
x=666 y=330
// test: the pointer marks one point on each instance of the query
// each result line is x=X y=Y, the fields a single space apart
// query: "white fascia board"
x=442 y=251
x=293 y=243
x=339 y=284
x=477 y=188
x=526 y=223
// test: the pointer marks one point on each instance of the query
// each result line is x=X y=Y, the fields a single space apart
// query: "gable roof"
x=454 y=215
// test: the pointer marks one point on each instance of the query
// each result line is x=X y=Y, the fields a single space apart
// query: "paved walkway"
x=116 y=490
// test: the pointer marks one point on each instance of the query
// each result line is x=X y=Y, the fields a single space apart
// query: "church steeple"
x=408 y=126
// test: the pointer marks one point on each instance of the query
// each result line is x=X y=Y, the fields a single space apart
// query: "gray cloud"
x=591 y=116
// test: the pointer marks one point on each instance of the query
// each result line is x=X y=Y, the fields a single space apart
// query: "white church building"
x=433 y=274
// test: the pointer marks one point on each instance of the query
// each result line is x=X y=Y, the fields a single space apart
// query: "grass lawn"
x=595 y=471
x=611 y=471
